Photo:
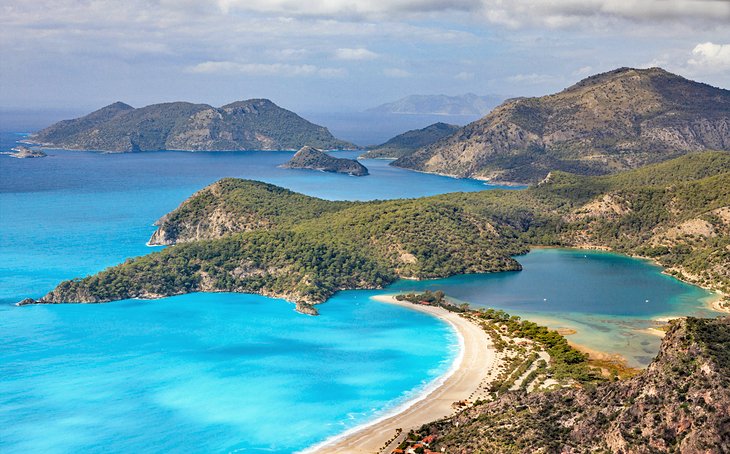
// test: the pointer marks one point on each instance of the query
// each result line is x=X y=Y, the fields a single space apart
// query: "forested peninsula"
x=246 y=236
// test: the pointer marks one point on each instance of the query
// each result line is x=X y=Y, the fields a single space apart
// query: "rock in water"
x=312 y=158
x=307 y=309
x=26 y=302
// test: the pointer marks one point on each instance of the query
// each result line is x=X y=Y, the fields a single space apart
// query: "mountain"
x=614 y=121
x=311 y=158
x=680 y=403
x=244 y=236
x=256 y=124
x=468 y=104
x=410 y=141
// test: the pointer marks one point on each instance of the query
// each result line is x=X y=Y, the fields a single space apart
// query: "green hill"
x=408 y=142
x=244 y=236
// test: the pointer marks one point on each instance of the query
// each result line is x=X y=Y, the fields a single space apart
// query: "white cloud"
x=583 y=71
x=464 y=75
x=355 y=54
x=396 y=72
x=531 y=78
x=264 y=69
x=711 y=57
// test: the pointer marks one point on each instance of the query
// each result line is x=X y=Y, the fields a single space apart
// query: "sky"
x=341 y=55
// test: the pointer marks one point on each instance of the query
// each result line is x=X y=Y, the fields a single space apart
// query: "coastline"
x=475 y=360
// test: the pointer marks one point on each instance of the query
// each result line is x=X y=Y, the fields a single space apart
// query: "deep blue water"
x=223 y=372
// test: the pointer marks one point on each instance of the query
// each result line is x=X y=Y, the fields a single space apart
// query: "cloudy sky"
x=341 y=55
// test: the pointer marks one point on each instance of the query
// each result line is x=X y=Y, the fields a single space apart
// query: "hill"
x=468 y=104
x=311 y=158
x=256 y=124
x=606 y=123
x=245 y=236
x=680 y=403
x=410 y=141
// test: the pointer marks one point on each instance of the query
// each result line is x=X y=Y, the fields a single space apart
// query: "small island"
x=25 y=152
x=311 y=158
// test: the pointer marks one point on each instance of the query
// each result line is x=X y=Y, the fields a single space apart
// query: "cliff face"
x=606 y=123
x=256 y=124
x=311 y=158
x=408 y=142
x=680 y=403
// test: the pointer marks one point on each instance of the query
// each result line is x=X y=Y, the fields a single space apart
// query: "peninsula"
x=408 y=142
x=311 y=158
x=245 y=236
x=603 y=124
x=254 y=124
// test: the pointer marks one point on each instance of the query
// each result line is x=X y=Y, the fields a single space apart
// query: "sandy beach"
x=477 y=358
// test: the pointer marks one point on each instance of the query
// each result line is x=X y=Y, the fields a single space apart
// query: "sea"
x=246 y=373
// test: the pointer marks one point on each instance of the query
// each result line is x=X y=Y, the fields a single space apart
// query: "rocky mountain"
x=613 y=121
x=255 y=124
x=410 y=141
x=468 y=104
x=311 y=158
x=680 y=403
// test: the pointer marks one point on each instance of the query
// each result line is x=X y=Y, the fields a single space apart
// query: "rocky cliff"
x=255 y=124
x=408 y=142
x=603 y=124
x=311 y=158
x=680 y=403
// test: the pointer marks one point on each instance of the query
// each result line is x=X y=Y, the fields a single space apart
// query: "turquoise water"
x=244 y=373
x=609 y=299
x=207 y=372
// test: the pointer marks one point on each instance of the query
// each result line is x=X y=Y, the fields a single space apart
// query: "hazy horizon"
x=322 y=56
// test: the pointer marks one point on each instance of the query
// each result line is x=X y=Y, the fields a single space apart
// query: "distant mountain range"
x=408 y=142
x=255 y=124
x=613 y=121
x=468 y=104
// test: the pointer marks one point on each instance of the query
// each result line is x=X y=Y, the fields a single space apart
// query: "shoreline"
x=476 y=358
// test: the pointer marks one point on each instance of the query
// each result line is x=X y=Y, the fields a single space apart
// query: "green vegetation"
x=565 y=361
x=259 y=238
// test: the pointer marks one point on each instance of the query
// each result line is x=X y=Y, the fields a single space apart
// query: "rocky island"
x=311 y=158
x=603 y=124
x=25 y=152
x=254 y=124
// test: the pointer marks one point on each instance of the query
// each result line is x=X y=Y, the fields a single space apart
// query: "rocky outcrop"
x=255 y=124
x=408 y=142
x=311 y=158
x=680 y=403
x=606 y=123
x=306 y=309
x=25 y=152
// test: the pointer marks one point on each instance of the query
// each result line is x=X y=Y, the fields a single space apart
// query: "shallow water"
x=609 y=299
